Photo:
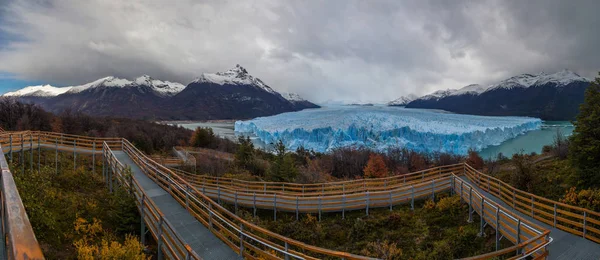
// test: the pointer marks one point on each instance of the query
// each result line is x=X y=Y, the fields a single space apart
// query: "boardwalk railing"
x=575 y=220
x=255 y=242
x=529 y=238
x=16 y=229
x=323 y=189
x=170 y=243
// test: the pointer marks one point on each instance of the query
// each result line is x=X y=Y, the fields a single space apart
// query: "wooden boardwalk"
x=183 y=211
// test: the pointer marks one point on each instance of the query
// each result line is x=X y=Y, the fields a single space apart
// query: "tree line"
x=147 y=136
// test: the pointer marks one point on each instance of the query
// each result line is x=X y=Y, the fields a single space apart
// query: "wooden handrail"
x=16 y=228
x=257 y=241
x=575 y=220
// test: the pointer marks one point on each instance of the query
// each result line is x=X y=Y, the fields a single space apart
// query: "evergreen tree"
x=585 y=148
x=244 y=156
x=203 y=137
x=283 y=167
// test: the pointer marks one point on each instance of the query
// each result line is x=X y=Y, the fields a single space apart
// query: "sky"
x=326 y=51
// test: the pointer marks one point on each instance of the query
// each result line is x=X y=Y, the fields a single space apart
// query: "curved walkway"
x=157 y=183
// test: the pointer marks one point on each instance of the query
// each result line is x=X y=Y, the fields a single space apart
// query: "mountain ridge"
x=232 y=94
x=549 y=96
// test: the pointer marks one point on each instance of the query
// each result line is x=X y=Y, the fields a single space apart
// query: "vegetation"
x=147 y=136
x=376 y=167
x=434 y=230
x=585 y=148
x=283 y=168
x=73 y=214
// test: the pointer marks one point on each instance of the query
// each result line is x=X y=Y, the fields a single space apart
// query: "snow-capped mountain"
x=161 y=87
x=233 y=94
x=38 y=91
x=235 y=76
x=298 y=101
x=403 y=100
x=550 y=96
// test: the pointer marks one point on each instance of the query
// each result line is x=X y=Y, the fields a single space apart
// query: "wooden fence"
x=255 y=242
x=575 y=220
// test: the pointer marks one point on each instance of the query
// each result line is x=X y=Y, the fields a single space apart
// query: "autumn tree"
x=474 y=160
x=375 y=167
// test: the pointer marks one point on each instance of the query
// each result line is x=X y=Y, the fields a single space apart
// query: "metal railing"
x=575 y=220
x=252 y=241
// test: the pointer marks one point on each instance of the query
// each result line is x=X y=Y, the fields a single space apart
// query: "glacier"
x=381 y=127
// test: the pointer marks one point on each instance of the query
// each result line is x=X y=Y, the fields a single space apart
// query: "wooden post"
x=159 y=238
x=412 y=197
x=497 y=229
x=254 y=203
x=142 y=223
x=367 y=203
x=482 y=216
x=241 y=239
x=275 y=206
x=470 y=220
x=555 y=215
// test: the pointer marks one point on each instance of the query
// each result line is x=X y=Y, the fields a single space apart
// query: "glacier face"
x=380 y=127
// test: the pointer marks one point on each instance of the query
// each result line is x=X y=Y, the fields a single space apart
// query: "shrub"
x=589 y=199
x=523 y=177
x=203 y=137
x=383 y=250
x=375 y=167
x=474 y=160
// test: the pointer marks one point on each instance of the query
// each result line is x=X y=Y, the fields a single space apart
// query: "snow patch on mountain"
x=473 y=89
x=292 y=97
x=235 y=76
x=403 y=100
x=438 y=94
x=561 y=79
x=38 y=91
x=163 y=87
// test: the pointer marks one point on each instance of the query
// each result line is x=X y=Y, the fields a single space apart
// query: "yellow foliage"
x=448 y=203
x=589 y=199
x=384 y=250
x=429 y=204
x=132 y=249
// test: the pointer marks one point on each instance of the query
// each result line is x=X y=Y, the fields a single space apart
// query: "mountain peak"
x=237 y=75
x=403 y=100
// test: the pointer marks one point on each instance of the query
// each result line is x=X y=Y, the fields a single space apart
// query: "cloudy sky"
x=352 y=51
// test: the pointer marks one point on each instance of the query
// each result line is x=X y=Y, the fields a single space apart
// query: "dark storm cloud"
x=370 y=51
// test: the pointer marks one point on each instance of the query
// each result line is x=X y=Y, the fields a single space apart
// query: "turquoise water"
x=532 y=141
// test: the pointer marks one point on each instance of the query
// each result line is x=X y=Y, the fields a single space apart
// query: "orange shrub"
x=375 y=167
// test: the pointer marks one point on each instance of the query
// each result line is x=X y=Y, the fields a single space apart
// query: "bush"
x=474 y=160
x=203 y=137
x=589 y=199
x=524 y=176
x=375 y=167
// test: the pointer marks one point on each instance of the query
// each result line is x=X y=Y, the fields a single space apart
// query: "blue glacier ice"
x=382 y=127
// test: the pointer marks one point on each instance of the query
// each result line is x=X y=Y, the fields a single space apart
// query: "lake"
x=532 y=141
